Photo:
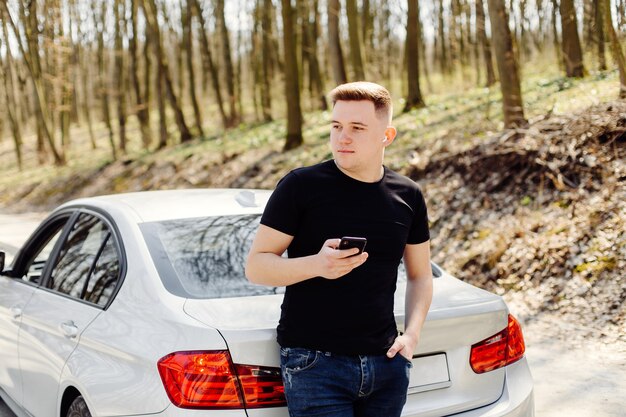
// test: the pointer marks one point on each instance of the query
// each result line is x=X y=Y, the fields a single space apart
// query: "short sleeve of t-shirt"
x=282 y=212
x=419 y=232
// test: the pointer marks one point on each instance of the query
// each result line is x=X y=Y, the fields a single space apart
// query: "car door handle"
x=16 y=312
x=69 y=329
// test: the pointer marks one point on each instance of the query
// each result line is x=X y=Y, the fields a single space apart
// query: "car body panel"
x=14 y=296
x=44 y=346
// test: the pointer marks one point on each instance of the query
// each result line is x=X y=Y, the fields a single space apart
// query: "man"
x=341 y=353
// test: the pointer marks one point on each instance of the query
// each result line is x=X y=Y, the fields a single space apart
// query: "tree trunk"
x=205 y=47
x=512 y=105
x=187 y=12
x=148 y=72
x=484 y=43
x=316 y=83
x=414 y=98
x=589 y=23
x=84 y=70
x=453 y=34
x=441 y=37
x=367 y=30
x=555 y=35
x=239 y=53
x=266 y=75
x=150 y=10
x=141 y=106
x=616 y=48
x=599 y=34
x=64 y=55
x=292 y=92
x=572 y=53
x=161 y=105
x=354 y=32
x=102 y=83
x=334 y=43
x=120 y=91
x=233 y=118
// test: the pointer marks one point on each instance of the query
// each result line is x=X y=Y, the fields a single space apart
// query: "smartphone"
x=348 y=242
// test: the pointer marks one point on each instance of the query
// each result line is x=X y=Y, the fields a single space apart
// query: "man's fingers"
x=395 y=348
x=332 y=243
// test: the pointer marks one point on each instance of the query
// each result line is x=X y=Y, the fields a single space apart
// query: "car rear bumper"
x=517 y=398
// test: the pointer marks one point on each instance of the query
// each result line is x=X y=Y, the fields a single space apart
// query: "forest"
x=154 y=73
x=509 y=112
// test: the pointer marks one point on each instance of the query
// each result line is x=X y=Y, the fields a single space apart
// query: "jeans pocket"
x=298 y=359
x=406 y=360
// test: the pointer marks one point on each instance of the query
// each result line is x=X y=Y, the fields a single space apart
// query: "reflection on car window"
x=207 y=254
x=104 y=278
x=205 y=257
x=88 y=239
x=36 y=266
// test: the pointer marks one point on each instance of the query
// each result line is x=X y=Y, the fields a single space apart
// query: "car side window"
x=36 y=264
x=105 y=275
x=78 y=255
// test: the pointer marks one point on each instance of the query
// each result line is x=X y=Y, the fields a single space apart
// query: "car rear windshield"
x=205 y=257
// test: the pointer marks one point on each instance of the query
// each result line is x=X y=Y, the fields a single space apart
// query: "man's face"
x=356 y=136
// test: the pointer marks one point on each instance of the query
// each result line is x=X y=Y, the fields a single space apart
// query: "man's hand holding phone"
x=340 y=256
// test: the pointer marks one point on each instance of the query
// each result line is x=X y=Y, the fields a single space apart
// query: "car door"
x=17 y=285
x=58 y=313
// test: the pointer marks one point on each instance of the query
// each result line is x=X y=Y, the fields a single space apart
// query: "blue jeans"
x=324 y=384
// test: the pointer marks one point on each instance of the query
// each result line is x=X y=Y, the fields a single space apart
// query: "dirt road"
x=575 y=376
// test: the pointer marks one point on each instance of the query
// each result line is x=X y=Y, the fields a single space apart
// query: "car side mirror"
x=2 y=257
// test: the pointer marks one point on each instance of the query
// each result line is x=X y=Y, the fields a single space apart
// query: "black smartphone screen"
x=348 y=242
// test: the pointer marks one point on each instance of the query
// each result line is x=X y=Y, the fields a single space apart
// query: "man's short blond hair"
x=363 y=90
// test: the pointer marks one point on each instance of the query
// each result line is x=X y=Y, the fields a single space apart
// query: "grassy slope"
x=450 y=121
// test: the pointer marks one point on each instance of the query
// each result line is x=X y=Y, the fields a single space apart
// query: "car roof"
x=162 y=205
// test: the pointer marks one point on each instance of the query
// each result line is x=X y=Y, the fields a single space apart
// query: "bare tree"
x=33 y=63
x=292 y=90
x=616 y=48
x=103 y=88
x=141 y=104
x=316 y=82
x=334 y=43
x=120 y=78
x=207 y=56
x=6 y=73
x=82 y=58
x=233 y=118
x=512 y=105
x=187 y=12
x=266 y=67
x=484 y=43
x=442 y=40
x=150 y=10
x=354 y=32
x=598 y=34
x=572 y=52
x=414 y=98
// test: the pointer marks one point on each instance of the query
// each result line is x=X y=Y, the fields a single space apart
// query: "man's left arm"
x=419 y=294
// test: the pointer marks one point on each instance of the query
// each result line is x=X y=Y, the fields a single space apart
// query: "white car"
x=137 y=304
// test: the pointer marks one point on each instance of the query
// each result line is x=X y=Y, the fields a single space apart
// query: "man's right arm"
x=266 y=266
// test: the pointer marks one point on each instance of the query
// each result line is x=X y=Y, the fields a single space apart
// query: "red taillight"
x=211 y=380
x=499 y=350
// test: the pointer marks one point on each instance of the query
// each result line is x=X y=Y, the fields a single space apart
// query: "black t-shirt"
x=352 y=314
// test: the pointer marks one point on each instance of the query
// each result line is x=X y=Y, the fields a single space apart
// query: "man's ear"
x=390 y=135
